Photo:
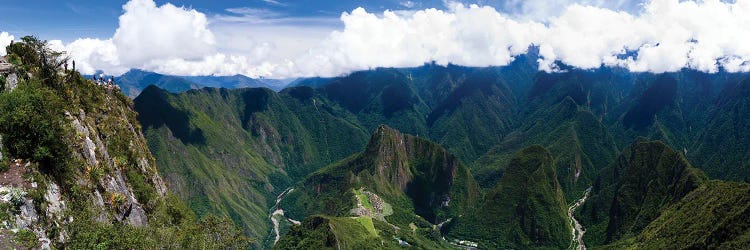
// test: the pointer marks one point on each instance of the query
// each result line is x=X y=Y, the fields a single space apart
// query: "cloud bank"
x=663 y=35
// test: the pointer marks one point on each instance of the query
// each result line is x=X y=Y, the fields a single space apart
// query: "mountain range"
x=135 y=81
x=430 y=157
x=531 y=142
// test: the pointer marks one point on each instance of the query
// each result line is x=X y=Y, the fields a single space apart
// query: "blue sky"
x=68 y=20
x=303 y=38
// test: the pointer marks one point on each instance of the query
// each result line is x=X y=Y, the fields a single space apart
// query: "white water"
x=577 y=241
x=279 y=212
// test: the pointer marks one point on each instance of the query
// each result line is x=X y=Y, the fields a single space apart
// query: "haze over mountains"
x=134 y=81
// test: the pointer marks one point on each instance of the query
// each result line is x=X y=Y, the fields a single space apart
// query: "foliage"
x=26 y=238
x=526 y=209
x=34 y=127
x=171 y=225
x=713 y=216
x=17 y=196
x=646 y=178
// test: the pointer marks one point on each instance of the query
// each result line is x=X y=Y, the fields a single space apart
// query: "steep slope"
x=276 y=139
x=713 y=216
x=467 y=110
x=647 y=177
x=525 y=210
x=407 y=170
x=578 y=141
x=422 y=183
x=722 y=148
x=382 y=96
x=81 y=175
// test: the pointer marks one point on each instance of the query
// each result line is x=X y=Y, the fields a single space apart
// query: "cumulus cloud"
x=5 y=39
x=147 y=33
x=666 y=35
x=662 y=35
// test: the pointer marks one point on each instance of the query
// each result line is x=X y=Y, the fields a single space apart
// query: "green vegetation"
x=27 y=238
x=421 y=181
x=414 y=175
x=171 y=225
x=38 y=123
x=323 y=232
x=722 y=148
x=580 y=146
x=646 y=178
x=713 y=216
x=34 y=127
x=526 y=208
x=277 y=138
x=231 y=152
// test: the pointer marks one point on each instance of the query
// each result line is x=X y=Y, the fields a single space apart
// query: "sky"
x=304 y=38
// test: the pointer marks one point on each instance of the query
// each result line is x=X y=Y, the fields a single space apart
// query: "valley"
x=565 y=138
x=338 y=125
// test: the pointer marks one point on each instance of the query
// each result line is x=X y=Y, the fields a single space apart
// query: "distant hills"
x=135 y=81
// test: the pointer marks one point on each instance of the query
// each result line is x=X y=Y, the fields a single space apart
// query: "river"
x=577 y=240
x=279 y=213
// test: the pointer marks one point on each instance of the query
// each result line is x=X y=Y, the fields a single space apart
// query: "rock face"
x=113 y=170
x=94 y=135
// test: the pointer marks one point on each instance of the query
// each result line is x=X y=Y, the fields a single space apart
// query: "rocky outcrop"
x=119 y=200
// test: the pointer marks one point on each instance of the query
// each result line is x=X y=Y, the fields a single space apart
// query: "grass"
x=364 y=199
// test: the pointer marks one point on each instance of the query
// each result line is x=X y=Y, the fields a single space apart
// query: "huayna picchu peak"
x=422 y=124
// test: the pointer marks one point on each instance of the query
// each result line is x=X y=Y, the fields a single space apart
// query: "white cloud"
x=664 y=35
x=149 y=32
x=5 y=39
x=667 y=35
x=408 y=4
x=274 y=2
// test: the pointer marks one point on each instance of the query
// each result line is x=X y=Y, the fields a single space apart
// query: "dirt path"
x=578 y=231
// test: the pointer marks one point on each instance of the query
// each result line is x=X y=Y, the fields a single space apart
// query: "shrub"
x=27 y=238
x=33 y=126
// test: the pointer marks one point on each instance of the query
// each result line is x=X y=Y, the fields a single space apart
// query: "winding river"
x=277 y=212
x=577 y=241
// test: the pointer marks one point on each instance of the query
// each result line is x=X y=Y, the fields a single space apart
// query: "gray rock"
x=27 y=216
x=55 y=204
x=11 y=81
x=137 y=216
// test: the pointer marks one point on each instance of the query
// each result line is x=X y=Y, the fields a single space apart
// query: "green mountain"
x=415 y=174
x=266 y=159
x=76 y=171
x=713 y=216
x=134 y=81
x=646 y=178
x=526 y=209
x=414 y=182
x=275 y=138
x=721 y=149
x=579 y=143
